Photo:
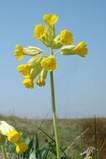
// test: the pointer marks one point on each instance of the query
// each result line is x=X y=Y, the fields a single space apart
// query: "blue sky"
x=80 y=82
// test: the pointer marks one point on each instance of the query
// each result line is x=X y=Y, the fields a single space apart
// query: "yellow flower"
x=19 y=52
x=39 y=31
x=66 y=37
x=81 y=49
x=24 y=69
x=13 y=136
x=9 y=131
x=28 y=83
x=40 y=82
x=49 y=63
x=50 y=19
x=21 y=148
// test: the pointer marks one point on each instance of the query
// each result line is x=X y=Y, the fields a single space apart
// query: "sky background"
x=80 y=82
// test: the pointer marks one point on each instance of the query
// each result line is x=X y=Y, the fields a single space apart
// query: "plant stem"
x=4 y=152
x=54 y=113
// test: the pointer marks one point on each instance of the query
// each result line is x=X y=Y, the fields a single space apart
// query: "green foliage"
x=38 y=134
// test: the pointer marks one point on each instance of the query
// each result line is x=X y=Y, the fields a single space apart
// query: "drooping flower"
x=28 y=83
x=41 y=80
x=21 y=148
x=24 y=69
x=66 y=37
x=49 y=63
x=19 y=52
x=39 y=31
x=50 y=19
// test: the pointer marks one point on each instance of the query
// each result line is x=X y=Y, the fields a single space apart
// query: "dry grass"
x=71 y=131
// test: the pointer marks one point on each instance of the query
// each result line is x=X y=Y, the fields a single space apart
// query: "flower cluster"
x=13 y=136
x=37 y=68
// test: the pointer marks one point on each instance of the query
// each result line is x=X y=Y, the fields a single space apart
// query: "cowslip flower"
x=24 y=69
x=13 y=136
x=28 y=83
x=10 y=132
x=39 y=65
x=66 y=37
x=21 y=148
x=47 y=35
x=50 y=19
x=49 y=63
x=41 y=80
x=19 y=52
x=39 y=31
x=80 y=49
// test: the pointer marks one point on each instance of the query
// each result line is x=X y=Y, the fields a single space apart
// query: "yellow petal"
x=28 y=83
x=24 y=69
x=13 y=136
x=19 y=52
x=49 y=63
x=39 y=31
x=80 y=49
x=40 y=82
x=21 y=148
x=66 y=37
x=50 y=19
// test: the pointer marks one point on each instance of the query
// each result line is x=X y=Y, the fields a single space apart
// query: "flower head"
x=19 y=52
x=39 y=31
x=66 y=37
x=21 y=148
x=28 y=83
x=13 y=136
x=81 y=49
x=37 y=68
x=49 y=63
x=50 y=19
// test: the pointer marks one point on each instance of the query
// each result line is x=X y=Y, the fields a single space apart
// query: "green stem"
x=54 y=113
x=4 y=152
